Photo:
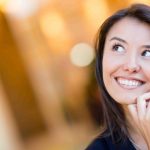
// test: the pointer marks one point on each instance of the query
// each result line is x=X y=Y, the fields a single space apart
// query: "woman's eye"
x=118 y=48
x=146 y=53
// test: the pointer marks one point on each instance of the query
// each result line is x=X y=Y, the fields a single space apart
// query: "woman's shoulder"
x=99 y=143
x=106 y=143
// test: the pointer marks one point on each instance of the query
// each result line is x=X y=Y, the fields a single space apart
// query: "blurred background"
x=49 y=98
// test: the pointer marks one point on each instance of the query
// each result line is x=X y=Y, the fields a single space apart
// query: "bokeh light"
x=22 y=8
x=52 y=24
x=3 y=3
x=82 y=54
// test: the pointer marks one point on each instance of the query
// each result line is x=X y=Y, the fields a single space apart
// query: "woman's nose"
x=132 y=65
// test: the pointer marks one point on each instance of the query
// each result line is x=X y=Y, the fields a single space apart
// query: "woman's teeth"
x=129 y=83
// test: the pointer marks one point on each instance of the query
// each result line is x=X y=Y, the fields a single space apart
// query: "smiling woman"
x=129 y=75
x=122 y=70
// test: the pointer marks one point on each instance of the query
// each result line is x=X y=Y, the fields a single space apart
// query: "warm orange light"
x=52 y=24
x=95 y=11
x=3 y=3
x=140 y=1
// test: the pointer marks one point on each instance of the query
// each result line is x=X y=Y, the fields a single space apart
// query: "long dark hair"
x=113 y=118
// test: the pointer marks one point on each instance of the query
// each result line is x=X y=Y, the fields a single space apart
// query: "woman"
x=123 y=74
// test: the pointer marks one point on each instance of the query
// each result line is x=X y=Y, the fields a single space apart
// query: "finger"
x=133 y=111
x=141 y=105
x=148 y=110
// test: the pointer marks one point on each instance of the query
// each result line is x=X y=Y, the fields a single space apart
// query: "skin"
x=126 y=74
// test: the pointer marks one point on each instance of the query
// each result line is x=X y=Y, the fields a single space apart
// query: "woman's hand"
x=140 y=113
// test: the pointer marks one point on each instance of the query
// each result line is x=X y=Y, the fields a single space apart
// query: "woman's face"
x=126 y=60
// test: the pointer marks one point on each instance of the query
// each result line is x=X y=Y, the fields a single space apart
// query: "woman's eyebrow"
x=118 y=39
x=146 y=46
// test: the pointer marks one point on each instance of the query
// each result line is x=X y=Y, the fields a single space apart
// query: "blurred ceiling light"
x=95 y=11
x=22 y=8
x=52 y=24
x=3 y=3
x=82 y=54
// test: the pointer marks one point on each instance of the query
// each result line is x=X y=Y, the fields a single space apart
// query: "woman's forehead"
x=129 y=28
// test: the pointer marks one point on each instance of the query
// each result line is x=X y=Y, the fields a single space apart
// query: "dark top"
x=106 y=143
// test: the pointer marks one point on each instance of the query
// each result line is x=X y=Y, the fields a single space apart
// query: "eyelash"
x=145 y=52
x=116 y=45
